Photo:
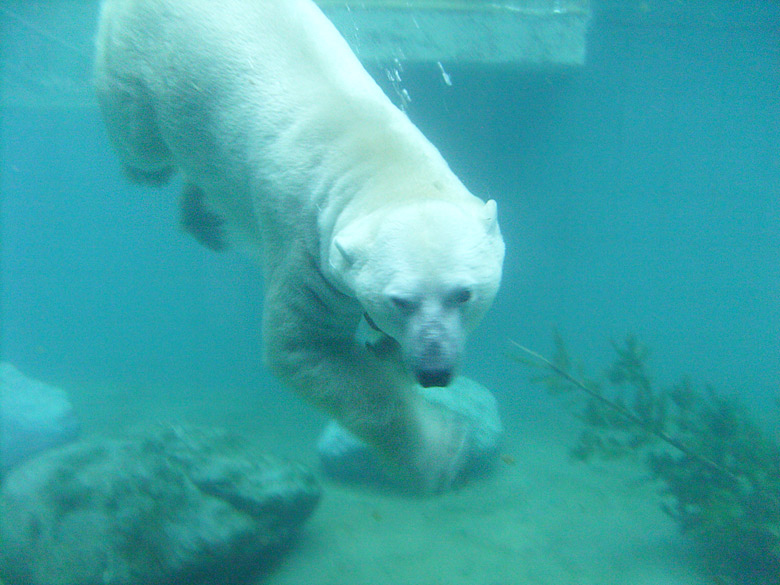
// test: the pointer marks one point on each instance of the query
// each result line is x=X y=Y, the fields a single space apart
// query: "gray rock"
x=347 y=458
x=174 y=505
x=33 y=417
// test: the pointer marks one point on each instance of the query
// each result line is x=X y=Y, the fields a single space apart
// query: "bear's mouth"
x=434 y=378
x=426 y=376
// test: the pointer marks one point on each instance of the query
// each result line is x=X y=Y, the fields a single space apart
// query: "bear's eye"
x=404 y=304
x=460 y=296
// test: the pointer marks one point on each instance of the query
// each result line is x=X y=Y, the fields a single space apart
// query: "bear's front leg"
x=310 y=344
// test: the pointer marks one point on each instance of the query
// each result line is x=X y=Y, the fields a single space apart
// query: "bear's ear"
x=343 y=260
x=347 y=247
x=347 y=257
x=490 y=217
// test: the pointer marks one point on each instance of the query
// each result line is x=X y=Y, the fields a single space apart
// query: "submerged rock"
x=34 y=416
x=344 y=457
x=175 y=505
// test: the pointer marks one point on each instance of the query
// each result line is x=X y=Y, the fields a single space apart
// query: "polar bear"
x=289 y=150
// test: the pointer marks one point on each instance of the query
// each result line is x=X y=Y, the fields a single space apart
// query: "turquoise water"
x=640 y=193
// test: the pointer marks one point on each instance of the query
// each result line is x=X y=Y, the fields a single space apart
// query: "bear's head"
x=425 y=273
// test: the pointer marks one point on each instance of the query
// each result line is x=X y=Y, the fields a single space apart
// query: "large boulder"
x=173 y=505
x=34 y=416
x=346 y=458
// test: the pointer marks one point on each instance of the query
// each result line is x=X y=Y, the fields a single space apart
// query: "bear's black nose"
x=436 y=377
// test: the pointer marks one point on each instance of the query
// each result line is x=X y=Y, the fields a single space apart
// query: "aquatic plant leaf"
x=721 y=485
x=553 y=382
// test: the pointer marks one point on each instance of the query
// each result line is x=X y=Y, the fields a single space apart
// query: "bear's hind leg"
x=200 y=222
x=131 y=122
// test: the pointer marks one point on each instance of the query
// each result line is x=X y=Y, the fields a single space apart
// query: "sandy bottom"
x=540 y=519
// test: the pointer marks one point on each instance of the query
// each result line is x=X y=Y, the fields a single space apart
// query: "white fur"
x=263 y=108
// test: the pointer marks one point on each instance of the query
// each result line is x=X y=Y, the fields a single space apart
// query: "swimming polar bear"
x=289 y=150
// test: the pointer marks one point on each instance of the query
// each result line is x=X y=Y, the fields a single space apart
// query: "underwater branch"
x=623 y=411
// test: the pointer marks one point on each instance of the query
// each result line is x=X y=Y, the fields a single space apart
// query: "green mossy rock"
x=173 y=505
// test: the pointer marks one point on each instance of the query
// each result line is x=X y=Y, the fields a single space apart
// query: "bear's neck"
x=398 y=168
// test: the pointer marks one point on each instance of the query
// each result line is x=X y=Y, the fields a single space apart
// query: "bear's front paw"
x=441 y=454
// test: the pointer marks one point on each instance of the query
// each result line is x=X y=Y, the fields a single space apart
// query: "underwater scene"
x=167 y=387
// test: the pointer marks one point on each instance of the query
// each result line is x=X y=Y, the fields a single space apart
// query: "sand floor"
x=539 y=520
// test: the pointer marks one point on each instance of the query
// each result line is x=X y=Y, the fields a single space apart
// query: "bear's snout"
x=435 y=359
